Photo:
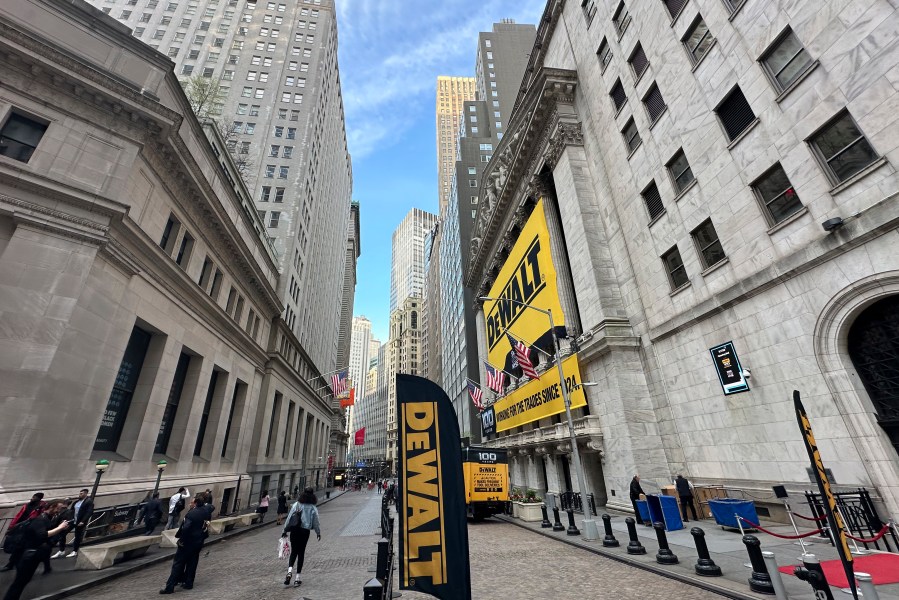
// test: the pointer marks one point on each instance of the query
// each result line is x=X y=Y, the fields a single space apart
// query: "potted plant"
x=529 y=507
x=516 y=498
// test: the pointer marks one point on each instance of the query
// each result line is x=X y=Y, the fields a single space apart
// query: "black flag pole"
x=834 y=519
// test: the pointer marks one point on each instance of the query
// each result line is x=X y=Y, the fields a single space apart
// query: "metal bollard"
x=545 y=523
x=572 y=528
x=779 y=590
x=759 y=579
x=609 y=541
x=664 y=556
x=866 y=586
x=812 y=572
x=383 y=559
x=373 y=590
x=634 y=546
x=704 y=564
x=557 y=526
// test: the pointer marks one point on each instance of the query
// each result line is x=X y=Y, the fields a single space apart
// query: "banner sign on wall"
x=730 y=372
x=540 y=398
x=488 y=422
x=528 y=276
x=433 y=524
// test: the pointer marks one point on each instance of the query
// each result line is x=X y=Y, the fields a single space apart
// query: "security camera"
x=832 y=224
x=746 y=373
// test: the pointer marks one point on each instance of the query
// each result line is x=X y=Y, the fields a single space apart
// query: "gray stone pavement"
x=508 y=562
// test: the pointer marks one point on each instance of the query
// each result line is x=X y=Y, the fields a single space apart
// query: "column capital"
x=565 y=133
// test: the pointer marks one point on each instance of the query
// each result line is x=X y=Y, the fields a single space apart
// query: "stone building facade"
x=688 y=154
x=138 y=287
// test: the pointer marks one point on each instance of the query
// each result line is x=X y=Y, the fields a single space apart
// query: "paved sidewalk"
x=725 y=547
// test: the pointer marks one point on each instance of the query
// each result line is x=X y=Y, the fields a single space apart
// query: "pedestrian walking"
x=685 y=492
x=379 y=487
x=33 y=508
x=191 y=535
x=282 y=507
x=301 y=520
x=176 y=504
x=67 y=514
x=35 y=547
x=263 y=505
x=152 y=514
x=82 y=510
x=636 y=491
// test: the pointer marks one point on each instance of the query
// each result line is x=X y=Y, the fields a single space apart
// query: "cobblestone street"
x=508 y=562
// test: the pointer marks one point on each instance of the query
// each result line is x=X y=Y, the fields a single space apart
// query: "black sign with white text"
x=730 y=373
x=488 y=422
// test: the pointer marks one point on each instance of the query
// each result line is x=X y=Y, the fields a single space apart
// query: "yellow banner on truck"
x=486 y=472
x=540 y=398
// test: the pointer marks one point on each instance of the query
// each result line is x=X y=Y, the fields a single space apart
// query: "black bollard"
x=812 y=572
x=759 y=580
x=545 y=523
x=609 y=541
x=572 y=528
x=664 y=556
x=557 y=526
x=704 y=564
x=383 y=562
x=634 y=546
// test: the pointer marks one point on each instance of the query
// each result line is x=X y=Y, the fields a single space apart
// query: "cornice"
x=91 y=228
x=548 y=22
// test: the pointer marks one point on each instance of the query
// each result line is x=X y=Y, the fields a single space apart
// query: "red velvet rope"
x=879 y=535
x=777 y=535
x=816 y=519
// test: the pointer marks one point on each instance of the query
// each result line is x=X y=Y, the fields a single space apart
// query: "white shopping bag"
x=283 y=548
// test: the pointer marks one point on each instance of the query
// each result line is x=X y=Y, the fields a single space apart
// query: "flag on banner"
x=359 y=438
x=350 y=400
x=496 y=378
x=433 y=528
x=339 y=384
x=834 y=518
x=521 y=355
x=477 y=395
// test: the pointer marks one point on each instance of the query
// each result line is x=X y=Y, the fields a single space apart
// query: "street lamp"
x=160 y=467
x=590 y=531
x=101 y=467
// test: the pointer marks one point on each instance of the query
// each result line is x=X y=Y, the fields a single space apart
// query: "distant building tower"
x=451 y=93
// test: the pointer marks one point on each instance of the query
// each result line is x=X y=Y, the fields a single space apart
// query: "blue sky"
x=390 y=53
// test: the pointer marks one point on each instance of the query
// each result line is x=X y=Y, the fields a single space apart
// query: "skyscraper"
x=360 y=347
x=407 y=262
x=451 y=93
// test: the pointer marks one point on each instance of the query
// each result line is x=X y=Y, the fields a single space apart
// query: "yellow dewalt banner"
x=540 y=398
x=486 y=482
x=528 y=276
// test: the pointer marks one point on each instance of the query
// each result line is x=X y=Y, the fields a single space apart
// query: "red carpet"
x=883 y=569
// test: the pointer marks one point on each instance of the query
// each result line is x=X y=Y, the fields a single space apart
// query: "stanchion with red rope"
x=779 y=535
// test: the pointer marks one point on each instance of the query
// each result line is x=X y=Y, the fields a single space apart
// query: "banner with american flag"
x=340 y=384
x=496 y=378
x=521 y=355
x=477 y=395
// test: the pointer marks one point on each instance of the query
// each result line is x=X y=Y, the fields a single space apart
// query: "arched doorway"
x=873 y=346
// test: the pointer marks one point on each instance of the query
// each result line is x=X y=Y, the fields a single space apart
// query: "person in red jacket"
x=31 y=510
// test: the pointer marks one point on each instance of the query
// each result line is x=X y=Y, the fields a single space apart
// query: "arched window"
x=874 y=350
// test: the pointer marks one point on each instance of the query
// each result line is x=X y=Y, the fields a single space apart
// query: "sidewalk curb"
x=167 y=556
x=702 y=583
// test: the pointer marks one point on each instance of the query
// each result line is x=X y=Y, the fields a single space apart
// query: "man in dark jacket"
x=190 y=536
x=83 y=510
x=152 y=514
x=32 y=509
x=35 y=547
x=636 y=490
x=685 y=492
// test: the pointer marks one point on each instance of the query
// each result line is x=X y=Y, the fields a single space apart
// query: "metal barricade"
x=572 y=501
x=859 y=514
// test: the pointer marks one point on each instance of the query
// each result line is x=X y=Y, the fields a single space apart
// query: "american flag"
x=477 y=395
x=521 y=355
x=339 y=383
x=496 y=378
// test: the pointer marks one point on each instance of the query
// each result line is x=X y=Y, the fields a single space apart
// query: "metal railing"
x=381 y=586
x=859 y=514
x=572 y=501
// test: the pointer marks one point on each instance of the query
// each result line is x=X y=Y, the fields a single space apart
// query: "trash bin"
x=724 y=510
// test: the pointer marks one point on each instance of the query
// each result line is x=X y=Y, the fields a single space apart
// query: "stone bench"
x=220 y=526
x=249 y=518
x=102 y=556
x=168 y=539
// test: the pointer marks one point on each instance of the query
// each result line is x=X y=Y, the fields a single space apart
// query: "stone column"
x=535 y=474
x=553 y=476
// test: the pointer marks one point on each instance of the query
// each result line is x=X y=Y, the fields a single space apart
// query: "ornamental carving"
x=566 y=134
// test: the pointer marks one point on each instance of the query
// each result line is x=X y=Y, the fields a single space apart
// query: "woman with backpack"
x=302 y=518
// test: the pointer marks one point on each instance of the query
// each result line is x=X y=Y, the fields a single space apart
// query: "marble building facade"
x=688 y=154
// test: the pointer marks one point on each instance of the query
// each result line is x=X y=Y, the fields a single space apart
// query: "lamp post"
x=590 y=530
x=160 y=467
x=101 y=467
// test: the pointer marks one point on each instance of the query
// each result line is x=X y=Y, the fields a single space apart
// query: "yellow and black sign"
x=528 y=276
x=540 y=398
x=433 y=531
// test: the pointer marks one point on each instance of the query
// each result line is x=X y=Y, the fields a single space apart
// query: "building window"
x=285 y=96
x=269 y=171
x=472 y=171
x=473 y=183
x=122 y=391
x=474 y=199
x=274 y=150
x=254 y=110
x=733 y=5
x=735 y=114
x=674 y=7
x=266 y=193
x=274 y=218
x=605 y=54
x=169 y=234
x=298 y=98
x=707 y=244
x=282 y=172
x=674 y=266
x=680 y=171
x=288 y=152
x=187 y=245
x=638 y=61
x=250 y=128
x=654 y=103
x=776 y=195
x=259 y=93
x=698 y=40
x=786 y=60
x=279 y=195
x=20 y=137
x=619 y=97
x=842 y=148
x=241 y=109
x=292 y=131
x=589 y=8
x=631 y=135
x=621 y=19
x=187 y=69
x=171 y=406
x=653 y=200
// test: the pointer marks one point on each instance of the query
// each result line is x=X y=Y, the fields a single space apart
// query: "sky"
x=390 y=54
